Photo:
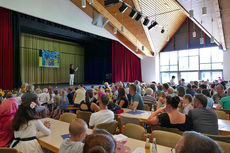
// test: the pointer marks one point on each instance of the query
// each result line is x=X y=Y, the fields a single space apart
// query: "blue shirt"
x=210 y=102
x=137 y=97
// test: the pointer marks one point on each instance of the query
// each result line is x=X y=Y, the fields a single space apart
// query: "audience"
x=189 y=90
x=148 y=98
x=193 y=142
x=161 y=100
x=204 y=120
x=70 y=96
x=136 y=99
x=26 y=125
x=77 y=131
x=220 y=93
x=180 y=92
x=63 y=101
x=186 y=104
x=224 y=102
x=102 y=116
x=88 y=104
x=122 y=98
x=172 y=118
x=172 y=82
x=165 y=88
x=8 y=109
x=209 y=99
x=79 y=95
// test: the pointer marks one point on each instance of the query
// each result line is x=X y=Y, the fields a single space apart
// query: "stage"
x=66 y=86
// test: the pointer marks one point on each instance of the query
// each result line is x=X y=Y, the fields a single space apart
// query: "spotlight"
x=114 y=30
x=153 y=24
x=136 y=49
x=204 y=10
x=91 y=2
x=133 y=13
x=83 y=3
x=123 y=8
x=138 y=17
x=143 y=48
x=162 y=30
x=108 y=3
x=122 y=28
x=146 y=21
x=191 y=13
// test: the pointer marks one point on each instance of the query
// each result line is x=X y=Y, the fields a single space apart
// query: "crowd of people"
x=186 y=106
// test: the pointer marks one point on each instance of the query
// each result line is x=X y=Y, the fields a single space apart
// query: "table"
x=54 y=140
x=224 y=127
x=143 y=116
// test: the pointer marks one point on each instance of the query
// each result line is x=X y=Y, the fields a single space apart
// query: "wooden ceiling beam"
x=133 y=39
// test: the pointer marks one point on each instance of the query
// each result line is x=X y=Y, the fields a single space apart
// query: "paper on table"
x=135 y=112
x=119 y=137
x=139 y=150
x=65 y=136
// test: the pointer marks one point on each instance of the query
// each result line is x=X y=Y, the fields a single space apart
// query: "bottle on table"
x=152 y=109
x=147 y=146
x=154 y=146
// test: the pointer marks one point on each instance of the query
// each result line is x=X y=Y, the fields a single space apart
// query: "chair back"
x=165 y=138
x=85 y=115
x=221 y=114
x=224 y=138
x=67 y=117
x=173 y=130
x=147 y=107
x=124 y=120
x=134 y=131
x=8 y=150
x=109 y=126
x=225 y=146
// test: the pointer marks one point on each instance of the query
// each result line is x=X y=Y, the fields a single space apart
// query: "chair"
x=134 y=131
x=165 y=138
x=221 y=114
x=147 y=107
x=67 y=117
x=122 y=120
x=225 y=146
x=223 y=138
x=173 y=130
x=8 y=150
x=85 y=115
x=110 y=126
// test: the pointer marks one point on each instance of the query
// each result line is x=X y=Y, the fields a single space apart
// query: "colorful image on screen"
x=49 y=58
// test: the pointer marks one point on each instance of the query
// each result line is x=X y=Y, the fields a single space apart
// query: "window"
x=193 y=64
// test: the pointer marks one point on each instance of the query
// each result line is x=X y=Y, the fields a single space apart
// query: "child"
x=56 y=108
x=63 y=101
x=43 y=97
x=25 y=126
x=77 y=130
x=70 y=96
x=161 y=100
x=50 y=100
x=186 y=104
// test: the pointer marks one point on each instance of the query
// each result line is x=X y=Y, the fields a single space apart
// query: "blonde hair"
x=170 y=90
x=62 y=92
x=162 y=94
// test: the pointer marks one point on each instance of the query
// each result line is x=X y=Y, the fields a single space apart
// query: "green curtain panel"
x=71 y=53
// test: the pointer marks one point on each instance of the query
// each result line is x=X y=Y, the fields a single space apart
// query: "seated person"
x=148 y=98
x=88 y=104
x=70 y=96
x=173 y=118
x=224 y=102
x=161 y=100
x=186 y=104
x=136 y=99
x=220 y=94
x=208 y=96
x=122 y=98
x=99 y=142
x=77 y=130
x=204 y=120
x=102 y=116
x=193 y=142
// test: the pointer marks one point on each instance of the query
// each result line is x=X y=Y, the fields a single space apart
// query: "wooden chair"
x=221 y=114
x=147 y=107
x=85 y=115
x=110 y=126
x=223 y=138
x=124 y=120
x=67 y=117
x=8 y=150
x=165 y=138
x=134 y=131
x=225 y=146
x=173 y=130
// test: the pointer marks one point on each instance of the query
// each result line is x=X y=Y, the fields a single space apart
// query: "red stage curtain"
x=126 y=66
x=6 y=49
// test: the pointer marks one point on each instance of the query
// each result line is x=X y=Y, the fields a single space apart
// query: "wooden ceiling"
x=135 y=33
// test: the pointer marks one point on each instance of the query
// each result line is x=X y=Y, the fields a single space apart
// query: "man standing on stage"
x=71 y=74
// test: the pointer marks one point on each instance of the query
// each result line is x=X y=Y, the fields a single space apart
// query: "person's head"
x=136 y=82
x=127 y=85
x=220 y=89
x=203 y=86
x=132 y=89
x=62 y=92
x=189 y=86
x=160 y=87
x=170 y=90
x=153 y=86
x=80 y=86
x=103 y=100
x=99 y=143
x=149 y=91
x=194 y=87
x=173 y=77
x=30 y=88
x=69 y=90
x=106 y=84
x=180 y=91
x=88 y=95
x=180 y=82
x=200 y=101
x=99 y=94
x=162 y=97
x=121 y=93
x=71 y=66
x=9 y=95
x=229 y=91
x=56 y=92
x=213 y=85
x=45 y=90
x=38 y=91
x=187 y=99
x=25 y=113
x=193 y=142
x=77 y=129
x=165 y=87
x=183 y=81
x=196 y=83
x=172 y=102
x=206 y=92
x=223 y=84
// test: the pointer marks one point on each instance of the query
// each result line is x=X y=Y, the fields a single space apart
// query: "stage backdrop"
x=126 y=66
x=70 y=53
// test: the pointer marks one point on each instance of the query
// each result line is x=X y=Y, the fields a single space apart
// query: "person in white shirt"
x=43 y=97
x=102 y=116
x=79 y=95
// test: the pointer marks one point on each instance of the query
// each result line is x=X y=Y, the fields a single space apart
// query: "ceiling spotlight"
x=133 y=13
x=91 y=2
x=191 y=13
x=114 y=30
x=136 y=49
x=212 y=39
x=146 y=21
x=83 y=3
x=108 y=3
x=201 y=41
x=123 y=8
x=138 y=17
x=122 y=28
x=194 y=34
x=153 y=24
x=204 y=10
x=143 y=48
x=162 y=30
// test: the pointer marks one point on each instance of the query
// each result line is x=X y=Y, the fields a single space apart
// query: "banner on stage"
x=49 y=58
